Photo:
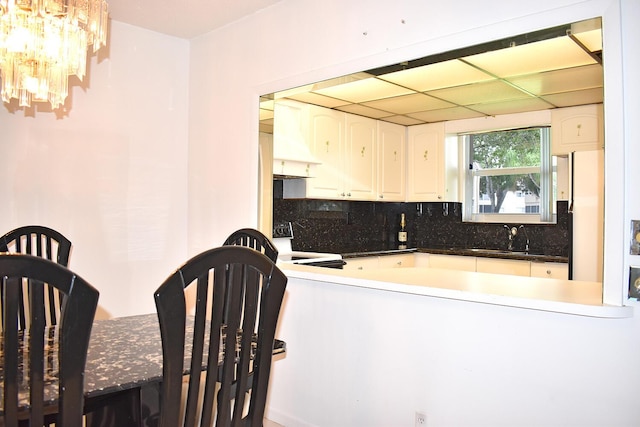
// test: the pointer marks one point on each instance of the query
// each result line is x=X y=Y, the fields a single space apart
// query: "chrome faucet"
x=526 y=246
x=513 y=232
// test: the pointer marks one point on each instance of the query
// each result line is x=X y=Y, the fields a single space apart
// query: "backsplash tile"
x=353 y=226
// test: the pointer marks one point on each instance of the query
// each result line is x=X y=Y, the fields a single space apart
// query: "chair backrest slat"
x=239 y=292
x=253 y=239
x=73 y=334
x=46 y=243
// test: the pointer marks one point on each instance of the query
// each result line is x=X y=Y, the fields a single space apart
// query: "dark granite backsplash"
x=351 y=226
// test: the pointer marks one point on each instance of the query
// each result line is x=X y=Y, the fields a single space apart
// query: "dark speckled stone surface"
x=355 y=227
x=124 y=353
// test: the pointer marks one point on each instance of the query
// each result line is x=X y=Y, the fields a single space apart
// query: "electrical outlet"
x=421 y=419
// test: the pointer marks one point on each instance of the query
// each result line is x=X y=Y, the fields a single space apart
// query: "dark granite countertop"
x=485 y=253
x=124 y=353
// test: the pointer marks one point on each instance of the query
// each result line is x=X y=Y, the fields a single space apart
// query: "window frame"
x=546 y=170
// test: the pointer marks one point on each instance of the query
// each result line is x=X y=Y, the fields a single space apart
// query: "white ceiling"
x=183 y=18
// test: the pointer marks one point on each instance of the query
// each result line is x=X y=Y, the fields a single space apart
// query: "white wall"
x=110 y=174
x=465 y=364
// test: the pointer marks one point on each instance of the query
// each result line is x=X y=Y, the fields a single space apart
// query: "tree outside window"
x=509 y=172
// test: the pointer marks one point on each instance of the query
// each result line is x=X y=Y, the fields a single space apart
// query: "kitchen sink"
x=498 y=251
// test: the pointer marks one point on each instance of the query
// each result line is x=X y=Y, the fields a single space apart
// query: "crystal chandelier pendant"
x=43 y=42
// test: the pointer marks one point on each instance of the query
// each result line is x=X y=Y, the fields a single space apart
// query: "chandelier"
x=43 y=42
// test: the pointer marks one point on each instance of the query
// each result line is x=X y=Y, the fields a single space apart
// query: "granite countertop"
x=485 y=253
x=124 y=353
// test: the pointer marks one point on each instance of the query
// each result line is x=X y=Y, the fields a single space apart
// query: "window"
x=509 y=172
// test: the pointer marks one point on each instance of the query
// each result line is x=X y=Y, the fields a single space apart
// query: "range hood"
x=291 y=155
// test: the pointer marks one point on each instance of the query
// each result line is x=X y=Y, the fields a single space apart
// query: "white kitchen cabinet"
x=391 y=162
x=514 y=267
x=550 y=270
x=429 y=161
x=452 y=262
x=325 y=135
x=421 y=259
x=576 y=129
x=360 y=158
x=345 y=146
x=396 y=261
x=361 y=263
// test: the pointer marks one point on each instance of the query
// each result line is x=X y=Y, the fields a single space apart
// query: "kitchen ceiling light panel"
x=591 y=39
x=568 y=79
x=317 y=99
x=490 y=92
x=361 y=110
x=581 y=97
x=364 y=90
x=437 y=76
x=455 y=113
x=403 y=120
x=512 y=106
x=547 y=55
x=409 y=103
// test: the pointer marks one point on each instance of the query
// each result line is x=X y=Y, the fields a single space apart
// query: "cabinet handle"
x=579 y=126
x=395 y=155
x=381 y=196
x=549 y=272
x=327 y=144
x=399 y=262
x=426 y=154
x=360 y=268
x=362 y=151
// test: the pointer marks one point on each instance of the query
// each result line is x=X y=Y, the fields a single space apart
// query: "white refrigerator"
x=586 y=215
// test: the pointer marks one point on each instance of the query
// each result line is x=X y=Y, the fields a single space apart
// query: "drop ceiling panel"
x=403 y=120
x=489 y=92
x=317 y=99
x=408 y=103
x=364 y=90
x=582 y=97
x=538 y=57
x=437 y=76
x=591 y=39
x=361 y=110
x=455 y=113
x=568 y=79
x=512 y=106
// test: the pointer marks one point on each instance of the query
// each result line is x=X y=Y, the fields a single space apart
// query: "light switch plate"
x=635 y=237
x=634 y=282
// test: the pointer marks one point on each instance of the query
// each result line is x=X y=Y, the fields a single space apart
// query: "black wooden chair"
x=239 y=294
x=254 y=239
x=28 y=365
x=46 y=243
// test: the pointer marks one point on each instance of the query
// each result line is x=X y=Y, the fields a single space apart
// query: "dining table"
x=123 y=371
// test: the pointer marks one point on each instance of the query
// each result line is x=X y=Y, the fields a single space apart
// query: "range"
x=282 y=238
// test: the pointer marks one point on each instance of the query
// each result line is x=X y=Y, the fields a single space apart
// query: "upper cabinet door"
x=326 y=142
x=576 y=129
x=426 y=163
x=391 y=162
x=361 y=158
